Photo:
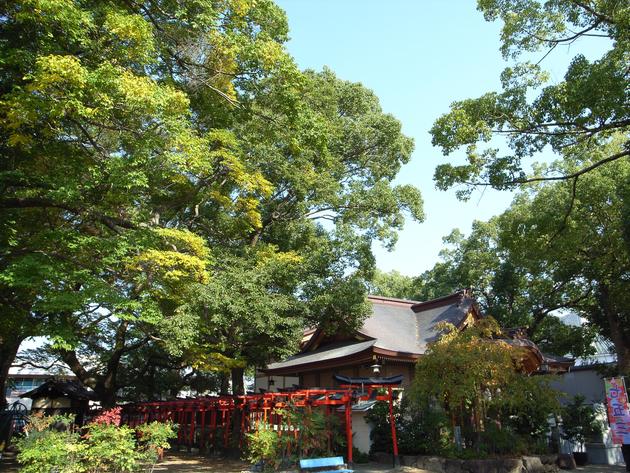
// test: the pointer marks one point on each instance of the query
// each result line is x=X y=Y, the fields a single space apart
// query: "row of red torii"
x=208 y=421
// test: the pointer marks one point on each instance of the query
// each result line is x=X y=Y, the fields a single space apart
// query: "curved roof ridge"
x=458 y=296
x=386 y=299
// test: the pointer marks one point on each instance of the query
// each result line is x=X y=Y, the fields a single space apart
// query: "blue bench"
x=323 y=465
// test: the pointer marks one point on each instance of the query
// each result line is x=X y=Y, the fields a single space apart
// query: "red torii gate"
x=201 y=419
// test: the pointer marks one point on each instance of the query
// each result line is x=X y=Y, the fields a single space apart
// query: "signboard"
x=618 y=410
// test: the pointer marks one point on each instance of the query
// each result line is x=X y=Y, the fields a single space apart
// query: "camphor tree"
x=103 y=152
x=580 y=113
x=331 y=154
x=166 y=169
x=394 y=284
x=574 y=237
x=584 y=120
x=561 y=246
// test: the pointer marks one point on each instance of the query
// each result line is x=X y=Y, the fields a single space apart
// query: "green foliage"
x=264 y=446
x=51 y=444
x=157 y=156
x=478 y=380
x=394 y=284
x=319 y=434
x=580 y=422
x=109 y=447
x=559 y=247
x=420 y=430
x=154 y=437
x=312 y=433
x=584 y=110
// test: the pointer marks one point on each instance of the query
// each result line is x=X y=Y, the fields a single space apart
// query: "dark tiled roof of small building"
x=61 y=388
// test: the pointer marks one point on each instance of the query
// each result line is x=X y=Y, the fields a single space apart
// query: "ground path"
x=191 y=464
x=185 y=463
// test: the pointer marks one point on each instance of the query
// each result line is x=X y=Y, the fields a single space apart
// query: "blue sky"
x=418 y=56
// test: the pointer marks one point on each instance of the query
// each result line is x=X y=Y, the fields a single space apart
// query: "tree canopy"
x=583 y=111
x=171 y=182
x=560 y=247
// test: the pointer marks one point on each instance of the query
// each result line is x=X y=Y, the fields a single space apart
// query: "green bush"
x=154 y=438
x=419 y=430
x=580 y=422
x=111 y=448
x=264 y=446
x=314 y=434
x=479 y=381
x=51 y=445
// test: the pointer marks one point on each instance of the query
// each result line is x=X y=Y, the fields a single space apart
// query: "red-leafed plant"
x=108 y=417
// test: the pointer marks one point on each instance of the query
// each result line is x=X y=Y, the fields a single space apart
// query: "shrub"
x=579 y=422
x=419 y=430
x=314 y=434
x=51 y=445
x=154 y=438
x=264 y=447
x=111 y=448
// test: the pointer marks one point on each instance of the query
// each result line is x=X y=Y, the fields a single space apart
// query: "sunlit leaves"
x=530 y=114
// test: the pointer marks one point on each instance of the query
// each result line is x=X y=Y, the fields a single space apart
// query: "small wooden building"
x=61 y=397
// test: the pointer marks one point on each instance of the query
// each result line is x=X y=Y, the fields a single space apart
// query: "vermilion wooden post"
x=349 y=427
x=392 y=423
x=213 y=425
x=193 y=419
x=202 y=428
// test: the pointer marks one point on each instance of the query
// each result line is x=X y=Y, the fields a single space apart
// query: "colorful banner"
x=618 y=410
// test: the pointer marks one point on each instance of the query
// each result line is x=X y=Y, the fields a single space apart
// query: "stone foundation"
x=526 y=464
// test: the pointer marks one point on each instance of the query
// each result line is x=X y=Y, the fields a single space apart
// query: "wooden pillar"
x=349 y=427
x=392 y=423
x=193 y=419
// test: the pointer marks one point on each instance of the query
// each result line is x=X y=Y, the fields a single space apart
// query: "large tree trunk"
x=238 y=386
x=103 y=385
x=618 y=332
x=9 y=347
x=224 y=381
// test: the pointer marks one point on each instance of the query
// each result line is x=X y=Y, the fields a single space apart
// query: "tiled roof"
x=340 y=350
x=61 y=388
x=407 y=327
x=396 y=325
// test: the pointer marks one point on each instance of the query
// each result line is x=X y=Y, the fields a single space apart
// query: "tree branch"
x=564 y=177
x=38 y=202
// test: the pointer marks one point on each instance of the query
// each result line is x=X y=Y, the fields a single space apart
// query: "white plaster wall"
x=262 y=382
x=360 y=432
